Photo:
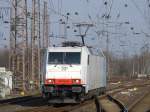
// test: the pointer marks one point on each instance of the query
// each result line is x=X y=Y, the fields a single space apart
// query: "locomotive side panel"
x=93 y=72
x=84 y=65
x=96 y=72
x=103 y=72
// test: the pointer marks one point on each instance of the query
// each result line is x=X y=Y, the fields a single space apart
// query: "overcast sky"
x=123 y=37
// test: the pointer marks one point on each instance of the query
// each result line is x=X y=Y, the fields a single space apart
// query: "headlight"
x=50 y=81
x=76 y=81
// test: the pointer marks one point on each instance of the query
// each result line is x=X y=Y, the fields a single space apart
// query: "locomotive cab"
x=71 y=74
x=63 y=78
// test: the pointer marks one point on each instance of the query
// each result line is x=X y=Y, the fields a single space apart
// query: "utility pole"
x=46 y=40
x=35 y=44
x=27 y=61
x=39 y=46
x=106 y=18
x=107 y=57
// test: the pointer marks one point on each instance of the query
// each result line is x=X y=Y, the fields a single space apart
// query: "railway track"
x=121 y=106
x=18 y=100
x=125 y=86
x=89 y=105
x=141 y=104
x=111 y=104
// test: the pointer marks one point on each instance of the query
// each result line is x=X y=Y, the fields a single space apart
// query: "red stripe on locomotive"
x=63 y=81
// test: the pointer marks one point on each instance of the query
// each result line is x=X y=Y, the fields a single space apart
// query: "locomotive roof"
x=65 y=49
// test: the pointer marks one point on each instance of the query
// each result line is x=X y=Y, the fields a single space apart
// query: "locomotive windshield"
x=64 y=58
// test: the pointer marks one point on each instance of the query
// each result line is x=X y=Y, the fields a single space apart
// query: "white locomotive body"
x=72 y=73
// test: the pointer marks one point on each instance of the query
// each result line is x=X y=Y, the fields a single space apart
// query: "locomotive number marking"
x=63 y=68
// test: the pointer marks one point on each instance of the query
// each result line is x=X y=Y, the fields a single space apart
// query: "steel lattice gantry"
x=19 y=44
x=26 y=43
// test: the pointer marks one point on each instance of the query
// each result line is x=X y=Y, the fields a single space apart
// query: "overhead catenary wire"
x=138 y=8
x=111 y=5
x=52 y=9
x=51 y=4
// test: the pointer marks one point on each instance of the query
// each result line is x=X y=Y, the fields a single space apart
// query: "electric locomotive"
x=72 y=74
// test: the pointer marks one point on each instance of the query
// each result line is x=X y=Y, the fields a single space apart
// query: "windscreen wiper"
x=55 y=65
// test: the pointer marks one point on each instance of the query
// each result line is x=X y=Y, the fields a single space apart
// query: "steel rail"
x=119 y=103
x=128 y=86
x=18 y=100
x=130 y=107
